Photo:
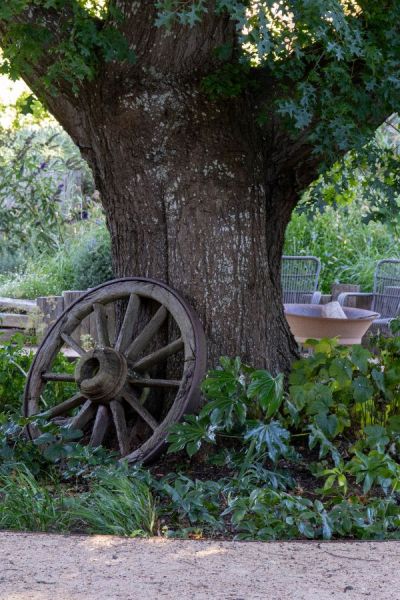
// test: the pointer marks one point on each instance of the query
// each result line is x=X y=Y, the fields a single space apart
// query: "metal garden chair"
x=385 y=298
x=299 y=277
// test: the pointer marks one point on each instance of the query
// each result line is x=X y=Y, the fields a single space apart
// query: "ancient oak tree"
x=203 y=120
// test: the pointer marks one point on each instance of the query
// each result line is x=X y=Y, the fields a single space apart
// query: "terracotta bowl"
x=305 y=322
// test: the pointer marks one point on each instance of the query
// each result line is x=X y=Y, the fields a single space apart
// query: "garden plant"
x=193 y=142
x=317 y=459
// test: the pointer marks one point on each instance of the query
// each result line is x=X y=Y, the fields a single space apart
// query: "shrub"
x=83 y=261
x=91 y=259
x=42 y=276
x=37 y=195
x=347 y=246
x=14 y=364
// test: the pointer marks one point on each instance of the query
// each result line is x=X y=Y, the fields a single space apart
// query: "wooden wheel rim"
x=194 y=347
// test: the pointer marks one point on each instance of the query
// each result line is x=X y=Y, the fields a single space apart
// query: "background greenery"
x=52 y=230
x=53 y=235
x=349 y=218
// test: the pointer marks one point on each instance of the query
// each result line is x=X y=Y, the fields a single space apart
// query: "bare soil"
x=47 y=567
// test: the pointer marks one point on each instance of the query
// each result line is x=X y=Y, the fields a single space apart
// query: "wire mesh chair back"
x=387 y=288
x=299 y=278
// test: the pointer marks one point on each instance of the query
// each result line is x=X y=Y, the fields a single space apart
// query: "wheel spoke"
x=100 y=317
x=100 y=426
x=83 y=417
x=171 y=383
x=130 y=318
x=118 y=414
x=48 y=376
x=72 y=344
x=133 y=401
x=148 y=332
x=61 y=409
x=152 y=359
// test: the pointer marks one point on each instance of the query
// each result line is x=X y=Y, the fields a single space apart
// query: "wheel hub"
x=101 y=374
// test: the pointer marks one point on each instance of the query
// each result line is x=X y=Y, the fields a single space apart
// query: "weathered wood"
x=147 y=334
x=192 y=367
x=111 y=323
x=100 y=315
x=48 y=376
x=12 y=320
x=26 y=306
x=100 y=426
x=130 y=318
x=159 y=355
x=325 y=298
x=168 y=383
x=118 y=414
x=49 y=310
x=72 y=344
x=339 y=288
x=133 y=401
x=83 y=417
x=70 y=296
x=64 y=407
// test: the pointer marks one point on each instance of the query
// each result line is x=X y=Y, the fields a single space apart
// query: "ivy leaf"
x=393 y=425
x=225 y=412
x=379 y=379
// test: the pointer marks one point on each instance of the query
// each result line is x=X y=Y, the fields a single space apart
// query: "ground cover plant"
x=316 y=459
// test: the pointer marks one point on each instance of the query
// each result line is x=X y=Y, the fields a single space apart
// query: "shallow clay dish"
x=305 y=322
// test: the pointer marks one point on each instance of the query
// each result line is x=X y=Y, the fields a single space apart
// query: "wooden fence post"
x=49 y=309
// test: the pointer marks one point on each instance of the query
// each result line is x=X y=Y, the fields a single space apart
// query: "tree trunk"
x=194 y=196
x=195 y=193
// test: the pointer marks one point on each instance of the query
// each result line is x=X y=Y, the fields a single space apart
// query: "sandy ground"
x=53 y=567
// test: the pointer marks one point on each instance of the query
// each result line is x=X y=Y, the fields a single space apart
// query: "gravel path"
x=54 y=567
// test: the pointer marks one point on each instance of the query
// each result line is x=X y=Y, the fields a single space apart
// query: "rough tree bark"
x=196 y=196
x=195 y=193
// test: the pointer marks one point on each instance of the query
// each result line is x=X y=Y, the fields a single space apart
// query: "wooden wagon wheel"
x=110 y=378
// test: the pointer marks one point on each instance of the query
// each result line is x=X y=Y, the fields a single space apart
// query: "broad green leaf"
x=268 y=390
x=360 y=357
x=362 y=389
